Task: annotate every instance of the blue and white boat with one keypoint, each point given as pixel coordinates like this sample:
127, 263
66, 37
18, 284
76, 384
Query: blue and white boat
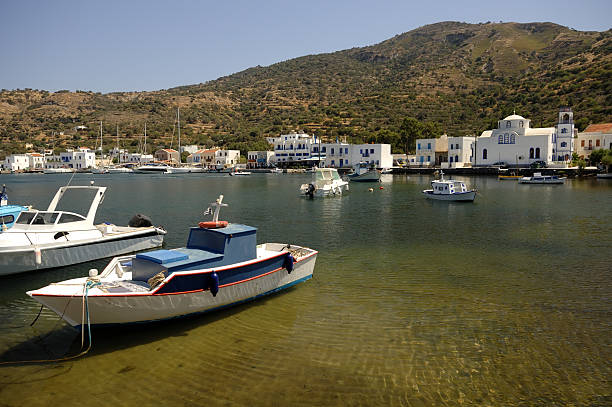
449, 190
8, 213
221, 265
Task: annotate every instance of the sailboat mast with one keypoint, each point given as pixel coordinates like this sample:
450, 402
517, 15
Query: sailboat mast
178, 119
101, 151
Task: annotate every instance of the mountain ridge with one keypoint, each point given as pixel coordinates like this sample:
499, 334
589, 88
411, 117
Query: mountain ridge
460, 77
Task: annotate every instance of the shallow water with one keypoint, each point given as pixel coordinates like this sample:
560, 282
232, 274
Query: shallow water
506, 301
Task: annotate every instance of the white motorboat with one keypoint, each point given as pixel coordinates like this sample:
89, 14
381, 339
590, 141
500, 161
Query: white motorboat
364, 172
240, 172
57, 170
326, 182
604, 175
103, 170
276, 170
538, 178
449, 190
56, 238
221, 265
119, 170
153, 168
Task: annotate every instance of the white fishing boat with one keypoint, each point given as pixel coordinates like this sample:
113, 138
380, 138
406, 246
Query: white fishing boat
221, 265
364, 172
57, 238
449, 190
276, 170
326, 182
239, 172
538, 178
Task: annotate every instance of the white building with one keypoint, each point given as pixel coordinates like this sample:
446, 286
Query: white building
514, 142
36, 161
204, 157
594, 137
78, 159
378, 155
292, 147
259, 159
460, 152
136, 158
16, 162
431, 151
227, 158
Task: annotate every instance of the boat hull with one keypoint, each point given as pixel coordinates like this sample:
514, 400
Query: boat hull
370, 176
457, 196
149, 306
542, 182
20, 259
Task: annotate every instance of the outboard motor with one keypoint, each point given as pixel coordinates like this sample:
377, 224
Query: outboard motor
311, 189
140, 221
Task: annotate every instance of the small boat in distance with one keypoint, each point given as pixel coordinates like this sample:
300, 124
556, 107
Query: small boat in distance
222, 265
60, 170
326, 182
604, 175
153, 168
239, 172
538, 178
364, 172
56, 238
449, 190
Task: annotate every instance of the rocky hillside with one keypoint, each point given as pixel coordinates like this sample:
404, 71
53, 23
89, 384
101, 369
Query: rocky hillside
460, 78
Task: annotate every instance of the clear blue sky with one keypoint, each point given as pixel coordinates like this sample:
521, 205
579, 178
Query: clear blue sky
110, 45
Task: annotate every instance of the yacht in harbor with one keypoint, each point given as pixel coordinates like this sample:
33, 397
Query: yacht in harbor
364, 172
449, 190
538, 178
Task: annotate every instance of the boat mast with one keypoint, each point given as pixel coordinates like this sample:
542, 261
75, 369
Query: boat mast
118, 144
178, 119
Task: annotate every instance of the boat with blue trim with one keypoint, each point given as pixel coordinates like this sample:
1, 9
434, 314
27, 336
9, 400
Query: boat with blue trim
222, 265
8, 213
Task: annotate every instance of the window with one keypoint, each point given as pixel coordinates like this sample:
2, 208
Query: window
563, 130
69, 217
456, 158
372, 150
537, 152
429, 146
531, 152
457, 146
512, 139
500, 139
564, 144
508, 124
597, 143
484, 154
419, 146
6, 219
451, 159
346, 150
428, 158
581, 143
521, 123
25, 218
332, 152
451, 147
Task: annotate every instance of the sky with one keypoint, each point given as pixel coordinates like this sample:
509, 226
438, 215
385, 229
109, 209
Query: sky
137, 45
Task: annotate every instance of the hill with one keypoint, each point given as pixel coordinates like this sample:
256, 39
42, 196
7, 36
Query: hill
455, 77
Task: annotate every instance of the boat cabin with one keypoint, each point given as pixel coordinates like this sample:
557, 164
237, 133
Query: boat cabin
206, 248
448, 187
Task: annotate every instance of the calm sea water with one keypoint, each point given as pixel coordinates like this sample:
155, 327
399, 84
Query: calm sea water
506, 301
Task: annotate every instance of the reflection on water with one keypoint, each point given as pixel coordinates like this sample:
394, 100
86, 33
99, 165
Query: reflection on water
505, 301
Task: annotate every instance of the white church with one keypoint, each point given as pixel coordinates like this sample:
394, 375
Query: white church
515, 143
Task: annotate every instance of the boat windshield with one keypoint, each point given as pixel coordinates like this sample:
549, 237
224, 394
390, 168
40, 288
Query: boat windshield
37, 218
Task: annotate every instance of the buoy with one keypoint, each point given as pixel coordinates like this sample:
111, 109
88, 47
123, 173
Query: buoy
288, 263
213, 225
38, 255
381, 188
93, 272
213, 282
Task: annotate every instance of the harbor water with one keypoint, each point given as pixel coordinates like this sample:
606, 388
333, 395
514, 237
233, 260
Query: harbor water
503, 301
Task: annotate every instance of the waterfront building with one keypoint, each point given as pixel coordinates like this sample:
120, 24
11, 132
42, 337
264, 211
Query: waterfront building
227, 158
378, 155
259, 159
168, 155
460, 152
204, 157
16, 162
336, 155
515, 143
594, 137
80, 158
292, 147
432, 151
36, 161
136, 158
